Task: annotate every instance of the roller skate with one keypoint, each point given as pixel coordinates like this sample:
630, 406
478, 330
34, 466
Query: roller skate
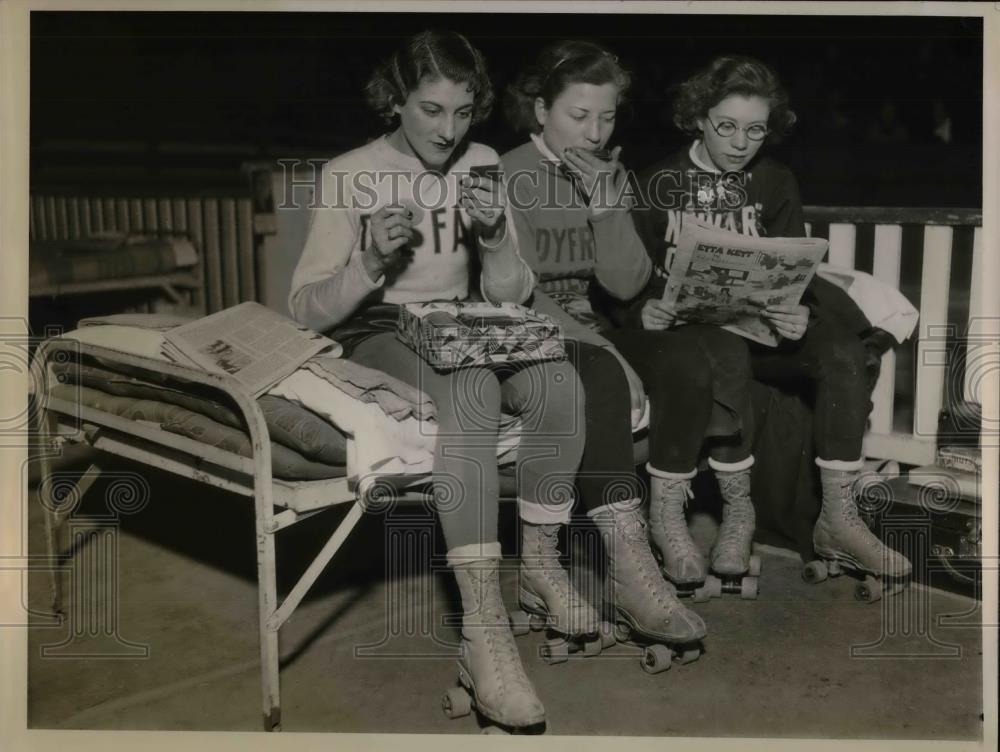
843, 542
549, 600
681, 561
647, 612
733, 569
491, 678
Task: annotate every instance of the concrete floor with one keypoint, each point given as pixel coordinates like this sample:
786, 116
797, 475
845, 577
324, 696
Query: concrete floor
181, 649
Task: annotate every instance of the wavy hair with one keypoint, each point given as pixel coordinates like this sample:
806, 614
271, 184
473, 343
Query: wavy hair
558, 66
723, 77
430, 55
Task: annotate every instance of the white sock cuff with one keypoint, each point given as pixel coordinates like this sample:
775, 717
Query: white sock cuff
670, 476
471, 552
842, 465
629, 505
544, 514
730, 467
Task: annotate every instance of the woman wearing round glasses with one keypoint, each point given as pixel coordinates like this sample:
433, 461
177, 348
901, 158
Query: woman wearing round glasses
731, 108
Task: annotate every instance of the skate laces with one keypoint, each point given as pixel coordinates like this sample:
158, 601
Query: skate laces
496, 630
545, 563
673, 519
738, 516
849, 511
643, 561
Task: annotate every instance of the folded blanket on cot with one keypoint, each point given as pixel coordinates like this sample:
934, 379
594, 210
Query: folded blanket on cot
286, 463
395, 439
288, 423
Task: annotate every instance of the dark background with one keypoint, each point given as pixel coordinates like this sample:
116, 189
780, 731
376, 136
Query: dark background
140, 97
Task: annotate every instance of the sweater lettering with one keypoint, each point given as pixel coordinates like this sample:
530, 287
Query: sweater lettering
564, 245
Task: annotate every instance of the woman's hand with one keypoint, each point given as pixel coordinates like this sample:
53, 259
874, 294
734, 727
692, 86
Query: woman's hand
657, 315
790, 321
596, 176
484, 199
391, 229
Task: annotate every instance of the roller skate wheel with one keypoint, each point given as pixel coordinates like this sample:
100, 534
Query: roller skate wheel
702, 594
748, 589
656, 658
495, 730
868, 591
755, 566
607, 632
714, 585
520, 623
690, 655
622, 632
814, 572
593, 647
834, 569
456, 702
555, 651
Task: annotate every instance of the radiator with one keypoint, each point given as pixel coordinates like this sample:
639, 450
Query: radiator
221, 228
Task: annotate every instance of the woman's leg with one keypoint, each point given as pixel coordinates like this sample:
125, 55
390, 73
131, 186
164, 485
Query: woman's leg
549, 400
730, 456
830, 362
607, 469
466, 486
609, 491
466, 495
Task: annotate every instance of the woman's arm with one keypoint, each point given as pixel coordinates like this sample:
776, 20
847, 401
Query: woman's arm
621, 264
330, 280
505, 276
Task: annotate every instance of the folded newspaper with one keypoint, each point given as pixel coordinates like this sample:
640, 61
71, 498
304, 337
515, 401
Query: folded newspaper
250, 342
725, 278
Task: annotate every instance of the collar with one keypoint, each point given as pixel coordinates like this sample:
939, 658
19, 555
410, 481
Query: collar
540, 144
693, 156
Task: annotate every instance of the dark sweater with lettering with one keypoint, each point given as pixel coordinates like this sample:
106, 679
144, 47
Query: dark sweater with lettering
569, 248
762, 200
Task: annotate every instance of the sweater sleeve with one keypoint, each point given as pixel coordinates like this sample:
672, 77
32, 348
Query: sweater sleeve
649, 227
506, 277
622, 266
330, 282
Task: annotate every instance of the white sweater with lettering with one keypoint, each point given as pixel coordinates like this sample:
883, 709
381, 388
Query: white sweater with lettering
330, 282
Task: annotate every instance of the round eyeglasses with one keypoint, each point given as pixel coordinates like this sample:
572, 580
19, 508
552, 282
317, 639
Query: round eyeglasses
728, 128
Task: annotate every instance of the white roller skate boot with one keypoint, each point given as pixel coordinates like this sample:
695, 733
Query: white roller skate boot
734, 568
682, 562
550, 600
647, 612
491, 677
841, 540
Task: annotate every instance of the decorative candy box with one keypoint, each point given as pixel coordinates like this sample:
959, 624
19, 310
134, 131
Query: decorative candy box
457, 335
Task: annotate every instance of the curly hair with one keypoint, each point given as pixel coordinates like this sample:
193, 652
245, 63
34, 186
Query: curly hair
557, 67
729, 75
430, 55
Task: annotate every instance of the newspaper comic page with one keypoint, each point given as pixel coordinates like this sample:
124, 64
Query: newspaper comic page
725, 278
249, 342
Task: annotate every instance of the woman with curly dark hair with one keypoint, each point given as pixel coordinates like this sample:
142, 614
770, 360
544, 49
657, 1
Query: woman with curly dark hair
731, 108
406, 219
570, 208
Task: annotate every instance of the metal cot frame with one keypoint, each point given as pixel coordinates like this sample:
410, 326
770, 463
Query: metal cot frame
61, 420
